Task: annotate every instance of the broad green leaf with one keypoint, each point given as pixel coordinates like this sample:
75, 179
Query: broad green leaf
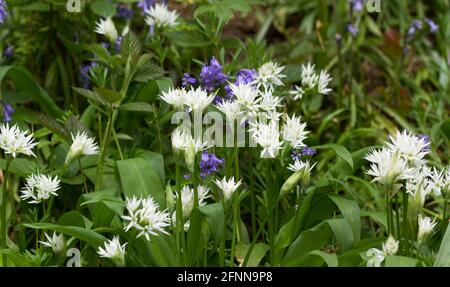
290, 230
103, 8
350, 211
215, 216
343, 233
156, 160
400, 261
341, 151
258, 253
139, 179
311, 239
91, 237
315, 258
23, 81
443, 256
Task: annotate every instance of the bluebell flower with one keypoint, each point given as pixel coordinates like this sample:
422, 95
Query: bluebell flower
84, 74
9, 52
427, 141
297, 154
356, 5
412, 30
145, 5
353, 30
188, 80
433, 26
209, 163
245, 76
124, 12
8, 110
212, 75
118, 44
3, 11
105, 45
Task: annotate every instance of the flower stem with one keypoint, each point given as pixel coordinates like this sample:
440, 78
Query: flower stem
388, 219
405, 222
196, 181
235, 227
109, 125
4, 221
179, 216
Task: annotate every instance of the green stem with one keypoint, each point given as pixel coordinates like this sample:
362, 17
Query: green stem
109, 125
179, 211
222, 239
196, 181
260, 230
271, 217
388, 220
405, 222
444, 212
4, 222
235, 226
116, 140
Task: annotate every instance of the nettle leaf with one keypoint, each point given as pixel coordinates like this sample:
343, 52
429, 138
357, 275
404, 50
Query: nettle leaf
137, 107
108, 95
92, 96
53, 125
146, 70
131, 47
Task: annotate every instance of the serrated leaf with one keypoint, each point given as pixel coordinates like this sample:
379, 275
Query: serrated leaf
91, 96
108, 95
137, 107
131, 47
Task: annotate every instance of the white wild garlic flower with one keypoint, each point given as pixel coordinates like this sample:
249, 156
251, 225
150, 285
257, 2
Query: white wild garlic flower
114, 251
228, 187
13, 141
144, 216
160, 16
39, 188
82, 144
107, 28
56, 243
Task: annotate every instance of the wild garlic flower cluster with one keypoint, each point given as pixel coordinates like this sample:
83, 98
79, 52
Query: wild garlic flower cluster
311, 82
145, 216
228, 187
39, 188
401, 158
187, 198
114, 251
56, 243
13, 141
377, 256
107, 28
82, 145
160, 16
426, 226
